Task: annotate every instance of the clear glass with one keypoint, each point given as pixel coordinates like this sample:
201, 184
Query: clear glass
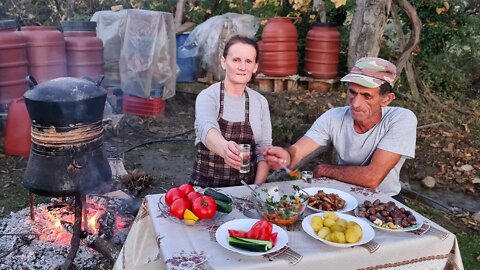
245, 155
307, 176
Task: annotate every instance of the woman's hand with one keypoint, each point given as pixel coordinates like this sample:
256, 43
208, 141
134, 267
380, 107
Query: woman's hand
276, 157
231, 155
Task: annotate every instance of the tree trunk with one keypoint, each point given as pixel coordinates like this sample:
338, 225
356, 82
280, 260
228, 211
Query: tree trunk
408, 65
319, 7
367, 29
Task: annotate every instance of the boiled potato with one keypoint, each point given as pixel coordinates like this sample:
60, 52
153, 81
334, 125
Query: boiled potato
338, 237
353, 235
328, 222
323, 232
337, 228
330, 215
316, 223
341, 222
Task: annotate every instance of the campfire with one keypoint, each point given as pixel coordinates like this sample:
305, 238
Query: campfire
42, 243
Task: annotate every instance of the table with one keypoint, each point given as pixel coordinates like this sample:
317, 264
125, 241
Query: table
159, 241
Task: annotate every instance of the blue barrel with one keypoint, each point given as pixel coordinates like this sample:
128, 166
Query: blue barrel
186, 65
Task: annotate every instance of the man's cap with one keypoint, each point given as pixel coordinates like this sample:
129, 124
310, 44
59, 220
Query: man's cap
372, 72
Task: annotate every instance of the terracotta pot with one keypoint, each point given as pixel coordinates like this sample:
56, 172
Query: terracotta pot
13, 63
279, 55
322, 51
46, 52
84, 49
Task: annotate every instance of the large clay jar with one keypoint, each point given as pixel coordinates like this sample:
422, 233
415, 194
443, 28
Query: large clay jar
84, 49
279, 53
13, 63
46, 52
322, 50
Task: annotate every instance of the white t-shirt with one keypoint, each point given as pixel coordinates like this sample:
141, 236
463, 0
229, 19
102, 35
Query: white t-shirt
396, 133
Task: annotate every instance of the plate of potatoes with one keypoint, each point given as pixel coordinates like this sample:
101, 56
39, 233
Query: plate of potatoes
338, 229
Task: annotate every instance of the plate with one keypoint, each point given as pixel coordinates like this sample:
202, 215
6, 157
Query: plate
350, 201
368, 232
418, 217
221, 235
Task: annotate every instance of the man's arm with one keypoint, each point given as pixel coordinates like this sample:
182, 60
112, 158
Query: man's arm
262, 172
278, 157
369, 176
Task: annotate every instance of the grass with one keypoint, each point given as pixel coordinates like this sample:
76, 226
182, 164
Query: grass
470, 250
469, 243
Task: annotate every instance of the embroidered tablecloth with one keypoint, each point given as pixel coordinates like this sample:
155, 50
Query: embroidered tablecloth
159, 241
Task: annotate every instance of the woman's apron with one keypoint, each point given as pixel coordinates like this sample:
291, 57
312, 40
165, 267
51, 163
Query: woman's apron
210, 169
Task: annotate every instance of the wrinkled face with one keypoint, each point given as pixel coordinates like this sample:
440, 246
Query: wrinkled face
366, 103
240, 63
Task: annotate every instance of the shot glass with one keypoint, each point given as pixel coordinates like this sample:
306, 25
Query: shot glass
307, 176
245, 155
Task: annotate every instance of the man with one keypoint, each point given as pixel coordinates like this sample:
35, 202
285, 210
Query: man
370, 138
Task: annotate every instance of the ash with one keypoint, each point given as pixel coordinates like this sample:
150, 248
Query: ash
27, 244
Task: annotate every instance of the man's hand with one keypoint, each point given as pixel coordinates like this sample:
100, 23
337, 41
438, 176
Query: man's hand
276, 157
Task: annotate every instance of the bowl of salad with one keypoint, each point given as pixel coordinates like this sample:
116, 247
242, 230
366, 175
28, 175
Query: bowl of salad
280, 203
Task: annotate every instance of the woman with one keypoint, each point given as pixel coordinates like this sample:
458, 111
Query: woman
227, 114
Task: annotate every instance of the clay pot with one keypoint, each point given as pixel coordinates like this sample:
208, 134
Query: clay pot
322, 50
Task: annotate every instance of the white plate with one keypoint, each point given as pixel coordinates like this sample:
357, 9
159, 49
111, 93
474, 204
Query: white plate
244, 225
350, 201
407, 229
367, 235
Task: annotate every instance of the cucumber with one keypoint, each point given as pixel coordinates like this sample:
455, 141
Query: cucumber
250, 244
223, 206
217, 195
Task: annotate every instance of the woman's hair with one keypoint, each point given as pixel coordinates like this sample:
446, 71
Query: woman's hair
241, 39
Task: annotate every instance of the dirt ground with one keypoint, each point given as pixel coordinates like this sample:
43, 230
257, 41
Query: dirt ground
163, 148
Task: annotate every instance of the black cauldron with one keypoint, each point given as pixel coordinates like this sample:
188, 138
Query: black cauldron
67, 156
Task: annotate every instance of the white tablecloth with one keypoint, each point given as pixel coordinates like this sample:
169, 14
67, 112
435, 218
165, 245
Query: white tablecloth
159, 241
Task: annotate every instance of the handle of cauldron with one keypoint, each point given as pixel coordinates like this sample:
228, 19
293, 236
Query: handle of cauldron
100, 79
31, 82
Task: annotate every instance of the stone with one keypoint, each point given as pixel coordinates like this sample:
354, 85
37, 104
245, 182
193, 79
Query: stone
466, 167
429, 182
476, 180
476, 217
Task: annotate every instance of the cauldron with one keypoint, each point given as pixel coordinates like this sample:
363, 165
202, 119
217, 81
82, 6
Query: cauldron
67, 156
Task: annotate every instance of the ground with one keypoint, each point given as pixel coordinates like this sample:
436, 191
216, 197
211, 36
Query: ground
162, 147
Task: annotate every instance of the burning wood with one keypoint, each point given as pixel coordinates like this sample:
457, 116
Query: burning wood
96, 242
108, 220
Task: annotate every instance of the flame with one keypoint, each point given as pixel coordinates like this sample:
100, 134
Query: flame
58, 224
92, 222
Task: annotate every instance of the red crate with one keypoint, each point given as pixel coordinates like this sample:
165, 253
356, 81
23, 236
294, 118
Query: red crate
143, 106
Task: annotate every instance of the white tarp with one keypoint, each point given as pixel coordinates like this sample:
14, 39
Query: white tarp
139, 51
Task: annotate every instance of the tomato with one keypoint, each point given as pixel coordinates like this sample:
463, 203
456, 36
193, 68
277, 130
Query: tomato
204, 207
186, 188
173, 194
178, 207
237, 233
193, 195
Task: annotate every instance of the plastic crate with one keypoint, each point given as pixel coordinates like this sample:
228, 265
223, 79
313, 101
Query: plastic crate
143, 106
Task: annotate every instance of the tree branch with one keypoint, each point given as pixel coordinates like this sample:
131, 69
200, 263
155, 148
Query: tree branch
414, 36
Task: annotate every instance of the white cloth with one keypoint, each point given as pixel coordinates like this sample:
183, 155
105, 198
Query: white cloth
159, 241
207, 107
396, 133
